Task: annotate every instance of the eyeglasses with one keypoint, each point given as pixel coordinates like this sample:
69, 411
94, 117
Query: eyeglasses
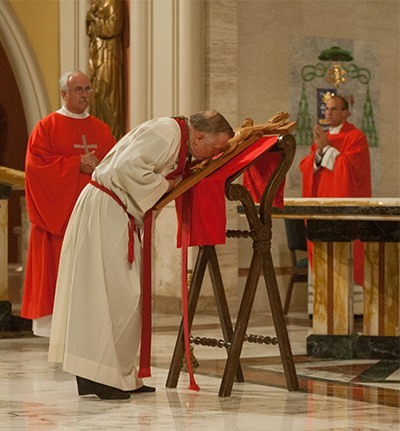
79, 90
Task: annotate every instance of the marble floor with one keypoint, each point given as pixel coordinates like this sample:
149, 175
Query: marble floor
335, 395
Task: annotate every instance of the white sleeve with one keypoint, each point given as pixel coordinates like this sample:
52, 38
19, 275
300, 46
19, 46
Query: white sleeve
327, 160
136, 167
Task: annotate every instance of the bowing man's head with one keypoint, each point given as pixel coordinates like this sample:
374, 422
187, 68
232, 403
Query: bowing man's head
209, 134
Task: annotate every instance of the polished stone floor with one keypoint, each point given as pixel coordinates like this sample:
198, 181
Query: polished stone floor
335, 395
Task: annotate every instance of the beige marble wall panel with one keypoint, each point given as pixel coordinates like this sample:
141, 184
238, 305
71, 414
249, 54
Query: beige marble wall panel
332, 275
381, 289
221, 58
343, 288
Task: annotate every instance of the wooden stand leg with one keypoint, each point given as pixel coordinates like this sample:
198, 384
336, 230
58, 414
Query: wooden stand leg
241, 325
194, 292
280, 324
222, 304
246, 306
207, 256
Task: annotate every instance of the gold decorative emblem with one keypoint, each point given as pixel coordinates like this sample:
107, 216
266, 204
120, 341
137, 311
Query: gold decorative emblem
336, 75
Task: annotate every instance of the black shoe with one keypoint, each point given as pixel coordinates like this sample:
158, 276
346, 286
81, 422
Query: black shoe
104, 392
142, 390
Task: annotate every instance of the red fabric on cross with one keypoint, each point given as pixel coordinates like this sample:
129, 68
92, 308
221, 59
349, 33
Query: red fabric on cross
207, 198
255, 178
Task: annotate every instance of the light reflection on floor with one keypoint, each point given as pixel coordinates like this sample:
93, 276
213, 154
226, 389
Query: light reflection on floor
334, 396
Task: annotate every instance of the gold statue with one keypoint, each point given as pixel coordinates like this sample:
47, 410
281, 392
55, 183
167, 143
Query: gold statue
104, 26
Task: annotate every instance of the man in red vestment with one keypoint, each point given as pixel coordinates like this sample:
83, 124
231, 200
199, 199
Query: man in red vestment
63, 150
339, 165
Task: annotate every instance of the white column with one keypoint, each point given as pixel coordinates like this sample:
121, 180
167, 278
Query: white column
166, 58
74, 43
166, 78
140, 54
191, 57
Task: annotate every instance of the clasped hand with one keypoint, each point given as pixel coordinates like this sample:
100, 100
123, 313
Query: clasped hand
320, 138
88, 163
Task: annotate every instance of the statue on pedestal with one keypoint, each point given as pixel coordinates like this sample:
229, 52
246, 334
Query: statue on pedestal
104, 26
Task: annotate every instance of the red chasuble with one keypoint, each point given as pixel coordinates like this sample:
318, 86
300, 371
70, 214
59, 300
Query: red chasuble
351, 177
53, 184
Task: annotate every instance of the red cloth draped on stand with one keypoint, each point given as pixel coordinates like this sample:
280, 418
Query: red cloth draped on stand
255, 178
208, 207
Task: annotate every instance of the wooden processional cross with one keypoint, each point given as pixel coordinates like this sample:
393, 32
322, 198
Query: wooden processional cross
245, 136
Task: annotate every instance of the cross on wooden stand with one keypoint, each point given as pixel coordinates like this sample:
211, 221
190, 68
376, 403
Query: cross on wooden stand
260, 225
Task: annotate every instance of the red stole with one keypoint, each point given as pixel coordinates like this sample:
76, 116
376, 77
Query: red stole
145, 346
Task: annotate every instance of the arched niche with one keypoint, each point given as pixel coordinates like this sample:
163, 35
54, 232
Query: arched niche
24, 65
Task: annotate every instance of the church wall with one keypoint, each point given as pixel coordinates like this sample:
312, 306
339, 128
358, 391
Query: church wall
40, 20
264, 39
266, 30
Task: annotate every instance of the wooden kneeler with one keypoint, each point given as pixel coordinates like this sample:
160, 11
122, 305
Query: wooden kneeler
260, 224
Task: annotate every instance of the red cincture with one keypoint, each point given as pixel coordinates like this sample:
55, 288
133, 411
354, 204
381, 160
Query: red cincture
131, 222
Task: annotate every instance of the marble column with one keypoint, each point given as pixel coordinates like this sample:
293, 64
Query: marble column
381, 289
333, 288
381, 333
5, 304
3, 250
333, 328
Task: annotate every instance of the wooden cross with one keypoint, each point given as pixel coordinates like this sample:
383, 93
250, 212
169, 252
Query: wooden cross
245, 136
